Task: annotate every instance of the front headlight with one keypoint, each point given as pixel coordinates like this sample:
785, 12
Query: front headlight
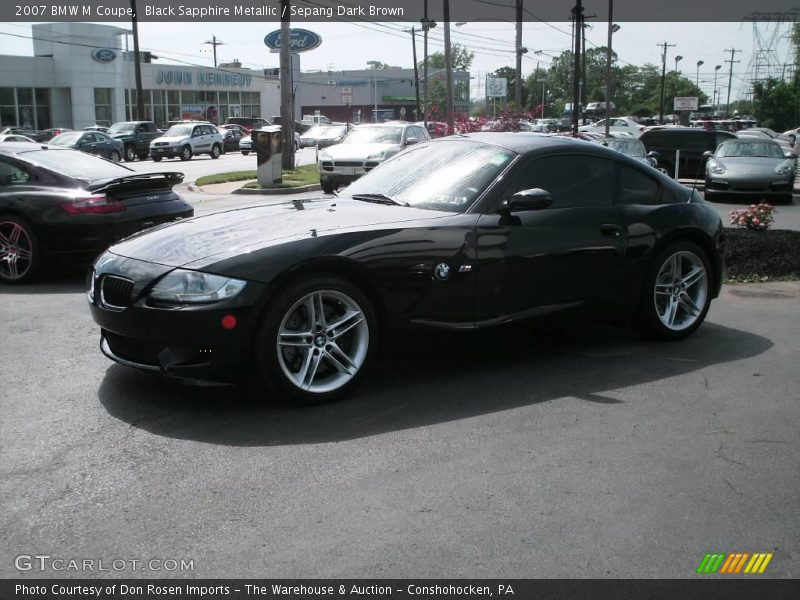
379, 156
717, 168
192, 287
785, 168
324, 156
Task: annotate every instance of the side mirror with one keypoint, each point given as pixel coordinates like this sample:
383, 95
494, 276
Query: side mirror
707, 154
654, 154
533, 199
411, 141
790, 154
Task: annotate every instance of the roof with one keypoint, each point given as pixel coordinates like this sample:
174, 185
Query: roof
13, 148
521, 142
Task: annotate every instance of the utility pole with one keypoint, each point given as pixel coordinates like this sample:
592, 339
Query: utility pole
416, 69
518, 72
287, 125
608, 65
427, 25
663, 78
716, 70
448, 59
577, 15
214, 43
137, 64
730, 78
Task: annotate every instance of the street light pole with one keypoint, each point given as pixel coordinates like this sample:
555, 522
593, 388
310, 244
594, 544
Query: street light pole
577, 15
697, 77
716, 70
518, 71
137, 64
608, 65
416, 69
448, 59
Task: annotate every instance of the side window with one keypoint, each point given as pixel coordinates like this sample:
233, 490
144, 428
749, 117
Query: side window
11, 174
635, 187
572, 180
89, 138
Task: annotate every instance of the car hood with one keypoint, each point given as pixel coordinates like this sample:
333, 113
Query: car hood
170, 140
202, 241
750, 165
361, 151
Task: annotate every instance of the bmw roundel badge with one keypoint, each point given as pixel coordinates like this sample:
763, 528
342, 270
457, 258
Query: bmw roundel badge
442, 271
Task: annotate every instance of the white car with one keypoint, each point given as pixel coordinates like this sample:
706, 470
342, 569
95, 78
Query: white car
620, 124
184, 140
363, 149
246, 144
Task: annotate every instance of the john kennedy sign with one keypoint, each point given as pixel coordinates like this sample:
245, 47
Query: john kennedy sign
301, 40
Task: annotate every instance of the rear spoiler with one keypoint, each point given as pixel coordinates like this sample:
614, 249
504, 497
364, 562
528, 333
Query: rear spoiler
170, 178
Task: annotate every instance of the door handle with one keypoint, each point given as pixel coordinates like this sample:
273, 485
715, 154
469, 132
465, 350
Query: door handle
611, 229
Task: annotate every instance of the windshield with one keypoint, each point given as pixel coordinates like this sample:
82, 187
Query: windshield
757, 149
374, 135
632, 148
446, 176
77, 165
66, 139
122, 128
332, 132
179, 131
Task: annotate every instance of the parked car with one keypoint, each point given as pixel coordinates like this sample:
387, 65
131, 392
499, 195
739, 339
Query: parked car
310, 121
231, 138
247, 123
186, 140
457, 234
599, 108
56, 202
751, 168
363, 149
764, 133
91, 142
692, 143
48, 134
19, 131
436, 129
550, 124
633, 148
10, 137
626, 124
323, 136
136, 137
100, 128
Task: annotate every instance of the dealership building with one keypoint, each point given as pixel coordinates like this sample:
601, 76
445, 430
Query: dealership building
82, 74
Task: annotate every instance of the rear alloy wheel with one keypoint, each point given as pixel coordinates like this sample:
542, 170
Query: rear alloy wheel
677, 292
115, 157
130, 154
19, 250
316, 340
186, 153
215, 151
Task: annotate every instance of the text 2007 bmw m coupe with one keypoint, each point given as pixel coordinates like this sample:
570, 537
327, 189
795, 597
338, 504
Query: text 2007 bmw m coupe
459, 233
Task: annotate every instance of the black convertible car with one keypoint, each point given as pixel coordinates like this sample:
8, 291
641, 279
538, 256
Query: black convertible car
64, 203
460, 233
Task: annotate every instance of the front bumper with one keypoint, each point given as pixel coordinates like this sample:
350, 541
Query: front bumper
777, 186
189, 342
165, 151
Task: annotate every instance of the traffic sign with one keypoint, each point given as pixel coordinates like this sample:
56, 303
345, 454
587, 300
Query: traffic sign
685, 103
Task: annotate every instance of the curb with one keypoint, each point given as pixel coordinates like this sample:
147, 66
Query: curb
277, 191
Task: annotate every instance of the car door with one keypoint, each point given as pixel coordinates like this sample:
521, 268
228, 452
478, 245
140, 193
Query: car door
199, 139
562, 254
88, 143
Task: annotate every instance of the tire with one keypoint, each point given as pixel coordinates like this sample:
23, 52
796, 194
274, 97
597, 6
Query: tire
18, 241
130, 154
674, 304
115, 157
215, 151
338, 355
186, 153
245, 152
157, 158
328, 187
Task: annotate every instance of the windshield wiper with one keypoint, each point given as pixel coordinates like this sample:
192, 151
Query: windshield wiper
379, 199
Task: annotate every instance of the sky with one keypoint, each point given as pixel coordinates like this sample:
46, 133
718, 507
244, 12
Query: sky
351, 45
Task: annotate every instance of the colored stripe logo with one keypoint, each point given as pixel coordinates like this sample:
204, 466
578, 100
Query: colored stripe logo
735, 563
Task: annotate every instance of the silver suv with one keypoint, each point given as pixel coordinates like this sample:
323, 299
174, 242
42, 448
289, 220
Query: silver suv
184, 140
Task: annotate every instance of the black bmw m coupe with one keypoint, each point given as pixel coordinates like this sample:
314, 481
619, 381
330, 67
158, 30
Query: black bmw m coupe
463, 232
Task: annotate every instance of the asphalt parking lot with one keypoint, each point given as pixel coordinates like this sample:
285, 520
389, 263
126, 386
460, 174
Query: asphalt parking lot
557, 450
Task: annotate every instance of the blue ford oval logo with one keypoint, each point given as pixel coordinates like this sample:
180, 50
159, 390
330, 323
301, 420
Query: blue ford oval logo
103, 55
301, 40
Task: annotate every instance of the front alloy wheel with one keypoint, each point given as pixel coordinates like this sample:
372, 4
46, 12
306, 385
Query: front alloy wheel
19, 251
322, 332
679, 295
186, 153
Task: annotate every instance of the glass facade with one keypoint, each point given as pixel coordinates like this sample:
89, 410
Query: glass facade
103, 101
162, 106
28, 108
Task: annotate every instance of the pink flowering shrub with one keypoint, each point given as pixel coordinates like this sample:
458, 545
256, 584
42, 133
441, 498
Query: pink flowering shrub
758, 216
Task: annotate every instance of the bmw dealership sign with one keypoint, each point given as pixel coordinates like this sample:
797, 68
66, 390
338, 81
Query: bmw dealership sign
301, 40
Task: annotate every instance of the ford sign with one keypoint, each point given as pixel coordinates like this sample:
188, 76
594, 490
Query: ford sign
103, 55
302, 40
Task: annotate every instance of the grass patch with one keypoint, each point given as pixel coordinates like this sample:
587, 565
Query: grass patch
305, 175
753, 256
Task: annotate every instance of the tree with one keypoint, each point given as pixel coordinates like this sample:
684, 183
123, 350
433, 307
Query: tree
462, 59
776, 103
375, 65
